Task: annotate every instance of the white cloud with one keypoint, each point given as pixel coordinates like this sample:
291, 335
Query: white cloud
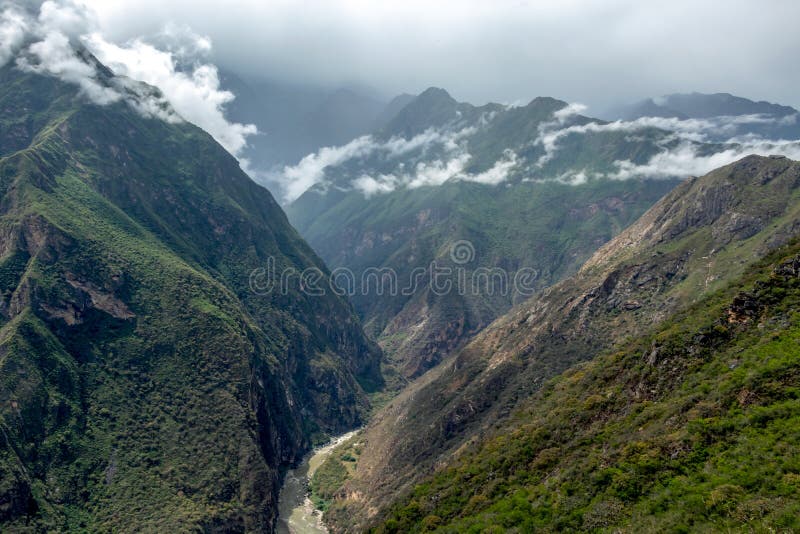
13, 27
54, 56
196, 95
297, 179
570, 110
498, 173
684, 160
438, 172
695, 130
191, 92
68, 17
384, 183
52, 51
311, 169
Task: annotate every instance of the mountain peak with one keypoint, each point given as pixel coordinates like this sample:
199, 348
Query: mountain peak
549, 101
436, 94
434, 107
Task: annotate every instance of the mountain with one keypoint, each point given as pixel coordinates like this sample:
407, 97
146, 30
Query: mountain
685, 429
765, 119
698, 240
514, 184
148, 379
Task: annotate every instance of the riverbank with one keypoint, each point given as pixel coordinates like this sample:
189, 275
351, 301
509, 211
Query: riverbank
296, 512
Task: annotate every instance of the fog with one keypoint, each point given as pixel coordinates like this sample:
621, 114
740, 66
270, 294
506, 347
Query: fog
595, 52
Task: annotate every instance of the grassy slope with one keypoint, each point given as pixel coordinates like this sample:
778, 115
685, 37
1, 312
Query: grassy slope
692, 427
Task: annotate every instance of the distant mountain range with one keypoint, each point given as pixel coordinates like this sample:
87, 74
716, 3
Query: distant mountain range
539, 186
768, 120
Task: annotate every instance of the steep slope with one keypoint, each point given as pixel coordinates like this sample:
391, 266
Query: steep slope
689, 428
442, 173
697, 239
144, 385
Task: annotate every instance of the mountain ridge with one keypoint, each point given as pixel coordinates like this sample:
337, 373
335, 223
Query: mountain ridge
631, 285
144, 384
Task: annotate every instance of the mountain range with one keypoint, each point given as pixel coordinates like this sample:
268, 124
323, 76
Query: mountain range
542, 320
539, 186
664, 311
764, 119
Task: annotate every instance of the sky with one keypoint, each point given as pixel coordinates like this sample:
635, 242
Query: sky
599, 52
593, 54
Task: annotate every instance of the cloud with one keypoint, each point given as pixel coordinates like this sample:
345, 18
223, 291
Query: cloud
188, 88
685, 160
384, 183
195, 95
67, 17
694, 130
568, 111
54, 56
13, 28
52, 51
311, 169
296, 179
617, 50
498, 173
435, 155
437, 172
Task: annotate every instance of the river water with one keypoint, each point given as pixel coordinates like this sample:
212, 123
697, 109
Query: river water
296, 512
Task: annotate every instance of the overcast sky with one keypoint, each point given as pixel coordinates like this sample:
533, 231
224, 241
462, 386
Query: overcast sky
597, 52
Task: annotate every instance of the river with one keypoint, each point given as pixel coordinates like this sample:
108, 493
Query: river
296, 512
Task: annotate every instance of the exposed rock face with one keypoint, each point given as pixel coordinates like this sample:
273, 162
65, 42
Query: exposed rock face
143, 384
681, 249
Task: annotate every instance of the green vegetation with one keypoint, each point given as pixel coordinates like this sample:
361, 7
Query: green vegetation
329, 478
143, 386
532, 220
691, 428
699, 238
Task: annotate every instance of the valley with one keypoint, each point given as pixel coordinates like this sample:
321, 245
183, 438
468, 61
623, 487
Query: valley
296, 512
267, 297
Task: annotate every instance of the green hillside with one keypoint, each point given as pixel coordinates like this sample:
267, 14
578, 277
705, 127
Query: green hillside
143, 385
697, 240
690, 428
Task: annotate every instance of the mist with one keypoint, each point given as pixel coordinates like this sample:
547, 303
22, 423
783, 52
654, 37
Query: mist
598, 53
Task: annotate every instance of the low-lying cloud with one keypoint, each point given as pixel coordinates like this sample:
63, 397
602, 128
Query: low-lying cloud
310, 171
686, 160
712, 129
684, 145
49, 41
436, 173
